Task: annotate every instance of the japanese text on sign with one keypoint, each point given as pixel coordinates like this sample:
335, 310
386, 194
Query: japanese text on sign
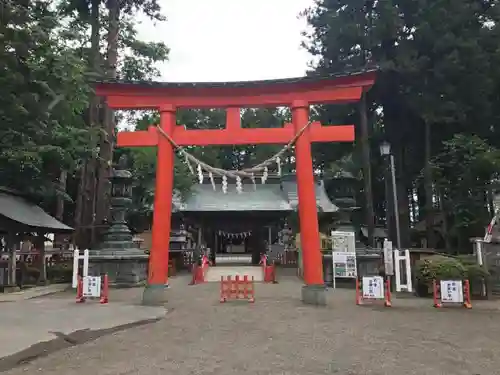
92, 286
344, 264
452, 291
373, 287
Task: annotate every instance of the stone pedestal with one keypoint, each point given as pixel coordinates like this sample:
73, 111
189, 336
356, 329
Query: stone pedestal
314, 295
154, 295
125, 269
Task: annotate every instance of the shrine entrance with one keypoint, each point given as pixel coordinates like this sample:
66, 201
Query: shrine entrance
298, 94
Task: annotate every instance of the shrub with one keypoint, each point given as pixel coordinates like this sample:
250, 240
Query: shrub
439, 267
62, 273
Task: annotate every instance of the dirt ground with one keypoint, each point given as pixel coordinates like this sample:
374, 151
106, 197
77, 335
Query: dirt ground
279, 335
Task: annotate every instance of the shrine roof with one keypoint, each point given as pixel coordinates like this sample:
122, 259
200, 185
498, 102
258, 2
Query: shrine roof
22, 214
313, 78
276, 196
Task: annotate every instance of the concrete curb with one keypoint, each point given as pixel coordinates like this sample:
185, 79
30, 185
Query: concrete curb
35, 292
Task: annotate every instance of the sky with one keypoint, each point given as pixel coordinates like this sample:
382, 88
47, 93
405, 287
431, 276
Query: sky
230, 40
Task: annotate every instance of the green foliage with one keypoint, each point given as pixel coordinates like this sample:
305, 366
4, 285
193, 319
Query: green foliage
438, 267
438, 67
60, 273
462, 171
44, 93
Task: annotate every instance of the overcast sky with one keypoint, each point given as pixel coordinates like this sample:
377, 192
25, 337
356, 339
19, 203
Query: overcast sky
230, 40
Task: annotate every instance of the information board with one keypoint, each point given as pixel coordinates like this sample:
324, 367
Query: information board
344, 264
92, 286
343, 241
452, 291
373, 287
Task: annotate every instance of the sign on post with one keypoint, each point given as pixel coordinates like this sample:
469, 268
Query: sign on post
92, 286
373, 287
343, 241
388, 258
343, 255
455, 292
452, 291
344, 264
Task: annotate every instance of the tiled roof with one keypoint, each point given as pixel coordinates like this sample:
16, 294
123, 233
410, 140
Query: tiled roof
267, 197
272, 196
29, 215
322, 201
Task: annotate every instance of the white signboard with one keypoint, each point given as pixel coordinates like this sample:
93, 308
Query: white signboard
373, 287
343, 241
452, 291
92, 286
388, 258
344, 264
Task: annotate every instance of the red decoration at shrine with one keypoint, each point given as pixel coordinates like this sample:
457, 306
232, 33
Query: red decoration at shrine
298, 94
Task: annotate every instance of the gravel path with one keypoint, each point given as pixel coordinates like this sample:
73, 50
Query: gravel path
279, 335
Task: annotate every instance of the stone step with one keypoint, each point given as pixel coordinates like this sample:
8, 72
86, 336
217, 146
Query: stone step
214, 273
233, 259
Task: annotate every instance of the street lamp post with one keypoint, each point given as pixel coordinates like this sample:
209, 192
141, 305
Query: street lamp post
385, 150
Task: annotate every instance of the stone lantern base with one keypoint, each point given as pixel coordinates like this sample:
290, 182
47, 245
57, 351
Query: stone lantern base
126, 268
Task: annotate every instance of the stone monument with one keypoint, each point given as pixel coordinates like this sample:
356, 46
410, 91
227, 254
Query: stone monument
118, 256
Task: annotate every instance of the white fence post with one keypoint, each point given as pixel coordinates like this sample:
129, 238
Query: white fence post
76, 261
398, 258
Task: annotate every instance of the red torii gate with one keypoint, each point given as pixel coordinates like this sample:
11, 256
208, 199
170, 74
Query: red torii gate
297, 93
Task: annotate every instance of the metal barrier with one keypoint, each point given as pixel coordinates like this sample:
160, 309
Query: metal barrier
92, 287
237, 288
373, 288
456, 292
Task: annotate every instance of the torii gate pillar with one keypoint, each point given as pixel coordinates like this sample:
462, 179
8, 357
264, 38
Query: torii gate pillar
313, 292
296, 93
162, 213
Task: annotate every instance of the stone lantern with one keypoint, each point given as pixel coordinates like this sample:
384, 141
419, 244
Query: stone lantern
118, 255
343, 189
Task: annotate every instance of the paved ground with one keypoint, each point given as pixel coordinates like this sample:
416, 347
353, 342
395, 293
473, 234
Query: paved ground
28, 322
279, 335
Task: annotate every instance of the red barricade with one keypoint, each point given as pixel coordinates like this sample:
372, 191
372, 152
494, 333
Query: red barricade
103, 297
437, 295
387, 298
199, 272
237, 288
268, 270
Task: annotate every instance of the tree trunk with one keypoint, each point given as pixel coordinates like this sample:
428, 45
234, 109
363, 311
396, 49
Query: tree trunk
429, 207
107, 140
85, 207
403, 201
58, 239
367, 174
60, 200
78, 218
